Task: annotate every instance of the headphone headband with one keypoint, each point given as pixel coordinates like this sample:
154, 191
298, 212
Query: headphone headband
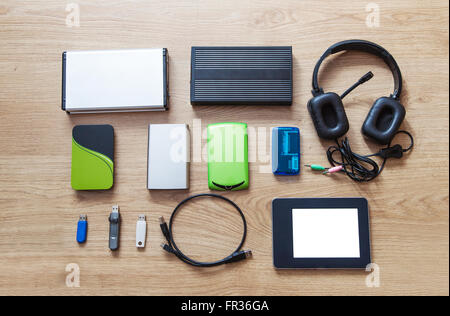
364, 46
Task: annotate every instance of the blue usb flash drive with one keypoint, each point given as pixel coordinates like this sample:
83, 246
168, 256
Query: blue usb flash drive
286, 150
82, 229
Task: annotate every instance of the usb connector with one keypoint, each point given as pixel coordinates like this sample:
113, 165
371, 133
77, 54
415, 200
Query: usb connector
238, 256
115, 209
164, 228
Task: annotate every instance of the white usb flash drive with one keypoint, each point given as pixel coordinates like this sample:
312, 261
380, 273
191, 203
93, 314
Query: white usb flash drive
141, 231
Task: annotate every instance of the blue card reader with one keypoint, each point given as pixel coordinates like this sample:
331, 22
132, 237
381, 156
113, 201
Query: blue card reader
286, 151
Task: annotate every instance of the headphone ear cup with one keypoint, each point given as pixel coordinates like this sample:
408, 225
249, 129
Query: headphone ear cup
383, 120
328, 115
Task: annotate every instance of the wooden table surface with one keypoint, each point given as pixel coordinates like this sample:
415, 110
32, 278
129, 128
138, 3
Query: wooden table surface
409, 202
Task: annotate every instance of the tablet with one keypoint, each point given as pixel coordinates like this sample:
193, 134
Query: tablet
321, 233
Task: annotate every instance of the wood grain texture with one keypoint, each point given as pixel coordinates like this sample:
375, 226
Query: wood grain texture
409, 202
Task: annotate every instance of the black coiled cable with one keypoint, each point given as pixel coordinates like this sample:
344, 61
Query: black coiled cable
172, 247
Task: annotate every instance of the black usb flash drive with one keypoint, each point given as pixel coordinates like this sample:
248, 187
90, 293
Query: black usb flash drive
114, 228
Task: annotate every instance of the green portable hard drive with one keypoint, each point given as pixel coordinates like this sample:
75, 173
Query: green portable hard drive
92, 157
227, 156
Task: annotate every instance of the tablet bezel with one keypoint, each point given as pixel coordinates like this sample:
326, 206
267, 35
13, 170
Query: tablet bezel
283, 250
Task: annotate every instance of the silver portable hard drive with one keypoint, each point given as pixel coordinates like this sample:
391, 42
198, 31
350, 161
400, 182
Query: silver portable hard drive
126, 80
168, 157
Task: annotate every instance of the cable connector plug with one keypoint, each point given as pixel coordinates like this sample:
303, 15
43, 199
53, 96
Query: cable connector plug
238, 256
164, 228
317, 167
167, 248
334, 169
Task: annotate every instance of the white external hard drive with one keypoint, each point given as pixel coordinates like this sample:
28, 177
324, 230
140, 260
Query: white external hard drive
127, 80
168, 156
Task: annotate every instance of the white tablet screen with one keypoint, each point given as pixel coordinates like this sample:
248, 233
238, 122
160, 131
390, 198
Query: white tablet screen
326, 233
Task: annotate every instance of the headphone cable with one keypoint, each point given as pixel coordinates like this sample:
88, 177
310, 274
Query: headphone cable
362, 168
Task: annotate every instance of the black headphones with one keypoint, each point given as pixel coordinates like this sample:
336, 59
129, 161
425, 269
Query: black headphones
381, 124
327, 110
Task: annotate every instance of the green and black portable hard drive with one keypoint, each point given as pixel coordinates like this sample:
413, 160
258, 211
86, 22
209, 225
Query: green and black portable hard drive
228, 156
92, 157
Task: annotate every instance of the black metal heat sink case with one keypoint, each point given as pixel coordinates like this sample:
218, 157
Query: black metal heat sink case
259, 75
